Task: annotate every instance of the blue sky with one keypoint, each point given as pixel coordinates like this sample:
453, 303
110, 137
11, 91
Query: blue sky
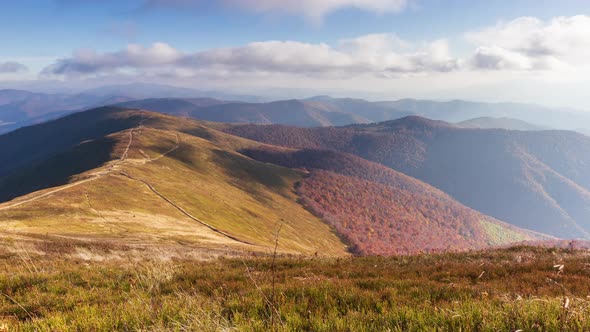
53, 27
455, 45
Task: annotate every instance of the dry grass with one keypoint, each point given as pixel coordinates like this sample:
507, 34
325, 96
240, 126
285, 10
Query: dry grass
503, 290
207, 179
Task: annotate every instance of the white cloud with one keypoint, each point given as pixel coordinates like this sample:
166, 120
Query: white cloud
133, 56
528, 43
556, 49
12, 67
497, 58
373, 54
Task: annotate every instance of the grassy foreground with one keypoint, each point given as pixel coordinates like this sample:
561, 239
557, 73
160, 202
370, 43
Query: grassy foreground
526, 289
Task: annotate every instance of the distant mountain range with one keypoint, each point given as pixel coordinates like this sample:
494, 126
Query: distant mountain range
499, 123
324, 111
304, 113
150, 90
19, 108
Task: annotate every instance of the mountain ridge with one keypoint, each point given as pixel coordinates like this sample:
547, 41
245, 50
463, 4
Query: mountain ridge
499, 123
510, 175
160, 167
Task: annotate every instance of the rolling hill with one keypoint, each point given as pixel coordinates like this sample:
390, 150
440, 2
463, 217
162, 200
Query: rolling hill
143, 180
461, 110
534, 180
38, 142
137, 90
20, 108
499, 123
173, 106
323, 111
304, 113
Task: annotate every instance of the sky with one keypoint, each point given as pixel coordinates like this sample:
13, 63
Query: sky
534, 51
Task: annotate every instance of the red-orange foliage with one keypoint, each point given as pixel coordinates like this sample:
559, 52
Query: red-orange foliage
377, 210
377, 219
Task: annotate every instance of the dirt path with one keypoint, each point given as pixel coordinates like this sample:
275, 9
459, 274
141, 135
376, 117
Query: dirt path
186, 213
112, 169
49, 193
125, 229
95, 176
126, 152
169, 151
98, 175
216, 230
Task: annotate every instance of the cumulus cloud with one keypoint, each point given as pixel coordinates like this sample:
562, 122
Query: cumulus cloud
12, 67
380, 55
528, 43
133, 56
497, 58
524, 44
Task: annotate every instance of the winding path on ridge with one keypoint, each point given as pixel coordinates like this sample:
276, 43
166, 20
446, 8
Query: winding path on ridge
111, 169
214, 229
97, 175
71, 185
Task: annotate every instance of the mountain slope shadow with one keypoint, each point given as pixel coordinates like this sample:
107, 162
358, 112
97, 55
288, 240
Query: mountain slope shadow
39, 142
57, 170
248, 173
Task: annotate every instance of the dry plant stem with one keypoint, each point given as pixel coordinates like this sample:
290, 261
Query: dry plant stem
273, 271
18, 304
260, 291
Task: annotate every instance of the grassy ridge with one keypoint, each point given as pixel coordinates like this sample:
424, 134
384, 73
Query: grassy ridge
235, 193
504, 290
198, 171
